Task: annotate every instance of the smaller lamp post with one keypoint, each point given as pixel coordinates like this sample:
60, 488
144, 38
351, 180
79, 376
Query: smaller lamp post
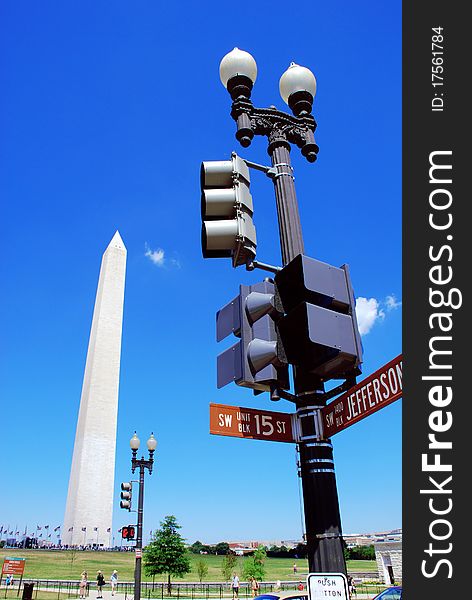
141, 464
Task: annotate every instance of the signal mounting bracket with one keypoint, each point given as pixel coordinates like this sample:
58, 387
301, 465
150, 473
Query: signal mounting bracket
269, 171
255, 264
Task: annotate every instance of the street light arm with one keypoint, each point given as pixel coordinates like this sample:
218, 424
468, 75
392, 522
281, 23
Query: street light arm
278, 126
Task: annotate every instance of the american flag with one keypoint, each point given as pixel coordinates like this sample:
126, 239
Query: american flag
70, 528
46, 527
57, 528
1, 529
84, 528
38, 527
95, 528
108, 530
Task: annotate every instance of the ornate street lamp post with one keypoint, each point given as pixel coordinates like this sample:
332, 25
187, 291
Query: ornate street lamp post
238, 72
142, 464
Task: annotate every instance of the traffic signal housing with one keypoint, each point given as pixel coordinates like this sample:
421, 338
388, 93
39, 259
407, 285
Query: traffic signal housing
256, 360
227, 211
319, 329
126, 495
128, 532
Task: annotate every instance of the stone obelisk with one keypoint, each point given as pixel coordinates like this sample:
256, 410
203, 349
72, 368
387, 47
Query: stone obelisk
89, 508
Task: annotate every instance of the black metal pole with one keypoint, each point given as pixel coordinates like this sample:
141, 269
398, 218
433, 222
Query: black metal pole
139, 536
320, 496
290, 230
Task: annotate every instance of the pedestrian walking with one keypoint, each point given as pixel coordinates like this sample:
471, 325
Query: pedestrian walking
351, 586
235, 586
254, 587
114, 581
83, 584
100, 584
295, 568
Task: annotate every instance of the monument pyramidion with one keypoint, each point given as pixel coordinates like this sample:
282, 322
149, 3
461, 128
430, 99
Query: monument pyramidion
89, 507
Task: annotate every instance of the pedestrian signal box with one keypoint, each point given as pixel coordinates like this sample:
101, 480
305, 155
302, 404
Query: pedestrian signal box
128, 532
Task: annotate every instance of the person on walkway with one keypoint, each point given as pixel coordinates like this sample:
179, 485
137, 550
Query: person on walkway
235, 586
295, 569
100, 583
351, 586
278, 585
254, 587
83, 584
114, 581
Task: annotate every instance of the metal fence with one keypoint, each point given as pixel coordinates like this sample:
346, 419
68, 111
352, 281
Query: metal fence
367, 586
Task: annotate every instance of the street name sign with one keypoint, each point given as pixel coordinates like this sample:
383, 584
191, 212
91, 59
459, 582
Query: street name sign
236, 421
327, 585
370, 395
13, 566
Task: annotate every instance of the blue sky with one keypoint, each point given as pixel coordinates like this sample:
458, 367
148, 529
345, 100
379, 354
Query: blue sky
106, 112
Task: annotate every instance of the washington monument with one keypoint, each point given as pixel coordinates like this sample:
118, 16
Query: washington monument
89, 507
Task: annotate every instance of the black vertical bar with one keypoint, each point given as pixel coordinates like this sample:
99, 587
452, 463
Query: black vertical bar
290, 230
436, 250
320, 496
139, 536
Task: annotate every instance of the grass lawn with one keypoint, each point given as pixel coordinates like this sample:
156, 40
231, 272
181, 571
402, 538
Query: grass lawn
50, 564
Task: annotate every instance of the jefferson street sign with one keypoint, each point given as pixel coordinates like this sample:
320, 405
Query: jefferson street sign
241, 422
376, 391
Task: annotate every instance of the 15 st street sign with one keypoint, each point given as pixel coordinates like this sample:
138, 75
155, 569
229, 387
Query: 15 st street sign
237, 421
370, 395
373, 393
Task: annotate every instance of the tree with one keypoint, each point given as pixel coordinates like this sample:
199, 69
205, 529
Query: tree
196, 547
222, 548
254, 565
362, 553
228, 565
166, 553
202, 569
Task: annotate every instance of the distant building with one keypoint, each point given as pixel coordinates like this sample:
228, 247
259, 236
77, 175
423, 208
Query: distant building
368, 539
241, 548
389, 561
245, 547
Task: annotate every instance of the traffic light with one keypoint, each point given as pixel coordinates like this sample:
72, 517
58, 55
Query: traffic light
256, 360
126, 494
226, 205
319, 330
128, 532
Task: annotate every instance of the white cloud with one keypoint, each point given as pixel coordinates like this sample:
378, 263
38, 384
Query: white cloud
160, 258
155, 256
175, 263
368, 312
391, 303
